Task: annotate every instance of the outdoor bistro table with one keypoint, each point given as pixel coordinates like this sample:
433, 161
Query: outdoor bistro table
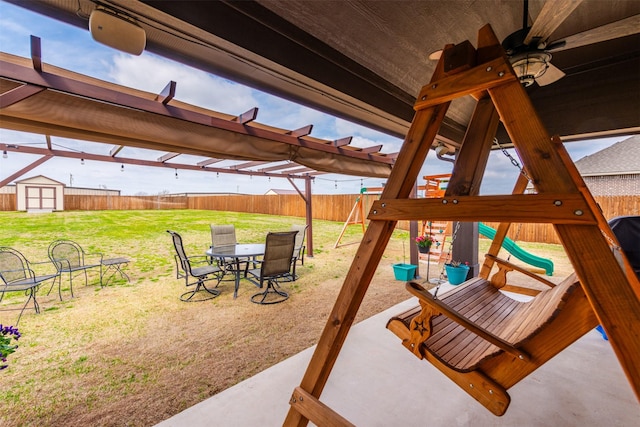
237, 252
116, 264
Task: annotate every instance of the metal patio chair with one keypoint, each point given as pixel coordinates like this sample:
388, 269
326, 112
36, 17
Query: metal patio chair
298, 249
17, 275
196, 267
69, 257
275, 265
225, 235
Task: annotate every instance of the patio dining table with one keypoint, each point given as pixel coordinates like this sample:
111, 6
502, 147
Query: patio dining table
238, 253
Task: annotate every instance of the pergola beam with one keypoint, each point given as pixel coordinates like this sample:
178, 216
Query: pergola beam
139, 162
25, 169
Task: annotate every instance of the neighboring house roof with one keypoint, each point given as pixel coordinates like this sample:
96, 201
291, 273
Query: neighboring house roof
39, 178
622, 158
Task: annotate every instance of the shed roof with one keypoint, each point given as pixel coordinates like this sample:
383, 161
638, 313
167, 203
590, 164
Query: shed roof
622, 158
40, 178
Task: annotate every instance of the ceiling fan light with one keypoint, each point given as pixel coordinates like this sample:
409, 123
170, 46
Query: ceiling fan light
528, 66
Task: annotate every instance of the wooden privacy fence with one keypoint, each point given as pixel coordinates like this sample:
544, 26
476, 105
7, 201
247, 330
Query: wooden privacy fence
325, 207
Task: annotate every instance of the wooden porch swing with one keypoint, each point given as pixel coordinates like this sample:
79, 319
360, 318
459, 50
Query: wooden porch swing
481, 339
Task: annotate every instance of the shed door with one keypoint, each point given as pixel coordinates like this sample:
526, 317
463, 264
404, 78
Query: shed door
41, 198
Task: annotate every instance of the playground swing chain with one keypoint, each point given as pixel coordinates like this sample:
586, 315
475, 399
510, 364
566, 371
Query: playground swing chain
441, 279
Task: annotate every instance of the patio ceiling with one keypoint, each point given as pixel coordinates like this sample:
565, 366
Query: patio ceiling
366, 60
40, 98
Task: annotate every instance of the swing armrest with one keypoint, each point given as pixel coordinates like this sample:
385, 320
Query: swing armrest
520, 270
426, 297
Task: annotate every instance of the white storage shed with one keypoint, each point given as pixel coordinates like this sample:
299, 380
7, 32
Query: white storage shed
39, 194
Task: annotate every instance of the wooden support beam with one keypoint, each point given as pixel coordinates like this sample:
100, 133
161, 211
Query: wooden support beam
475, 150
550, 17
482, 77
167, 156
586, 246
316, 411
403, 177
36, 53
303, 170
48, 139
25, 169
531, 208
18, 94
300, 132
208, 162
139, 162
247, 116
372, 149
248, 164
115, 150
168, 93
279, 167
342, 141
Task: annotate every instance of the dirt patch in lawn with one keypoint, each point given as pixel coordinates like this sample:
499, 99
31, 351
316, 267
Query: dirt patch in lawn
133, 354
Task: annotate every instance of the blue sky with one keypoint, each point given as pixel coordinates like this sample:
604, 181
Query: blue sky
73, 48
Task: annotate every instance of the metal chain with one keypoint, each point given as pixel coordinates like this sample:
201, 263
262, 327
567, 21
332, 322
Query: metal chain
441, 279
514, 162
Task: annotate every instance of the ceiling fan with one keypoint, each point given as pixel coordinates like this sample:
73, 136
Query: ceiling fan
528, 49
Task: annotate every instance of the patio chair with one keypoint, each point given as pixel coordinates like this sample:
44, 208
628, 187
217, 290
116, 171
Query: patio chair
17, 275
275, 264
225, 235
198, 268
298, 249
69, 257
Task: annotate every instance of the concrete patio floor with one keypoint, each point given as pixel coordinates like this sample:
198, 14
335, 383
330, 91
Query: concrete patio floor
377, 382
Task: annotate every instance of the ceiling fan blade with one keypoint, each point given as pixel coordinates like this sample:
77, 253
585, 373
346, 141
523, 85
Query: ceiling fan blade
614, 30
553, 74
553, 13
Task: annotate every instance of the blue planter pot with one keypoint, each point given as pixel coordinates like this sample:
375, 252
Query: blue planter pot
457, 275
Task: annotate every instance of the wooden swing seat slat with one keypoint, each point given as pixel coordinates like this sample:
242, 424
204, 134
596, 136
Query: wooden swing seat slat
489, 309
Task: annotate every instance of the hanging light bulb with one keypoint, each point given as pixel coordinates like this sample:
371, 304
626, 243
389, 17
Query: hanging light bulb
217, 174
335, 184
82, 161
4, 154
176, 173
122, 167
269, 179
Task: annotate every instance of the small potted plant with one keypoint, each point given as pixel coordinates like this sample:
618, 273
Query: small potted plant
424, 243
456, 272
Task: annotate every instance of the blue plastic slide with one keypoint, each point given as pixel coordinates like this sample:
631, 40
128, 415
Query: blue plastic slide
517, 251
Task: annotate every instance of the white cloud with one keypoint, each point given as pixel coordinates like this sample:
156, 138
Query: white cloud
192, 86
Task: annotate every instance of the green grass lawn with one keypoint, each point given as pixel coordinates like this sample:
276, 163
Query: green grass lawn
133, 353
82, 358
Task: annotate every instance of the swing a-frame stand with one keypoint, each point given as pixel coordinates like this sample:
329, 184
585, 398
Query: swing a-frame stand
611, 292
